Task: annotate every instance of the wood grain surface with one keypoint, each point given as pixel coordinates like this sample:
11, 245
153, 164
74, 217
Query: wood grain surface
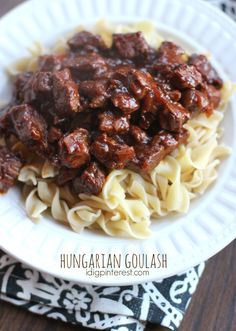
213, 307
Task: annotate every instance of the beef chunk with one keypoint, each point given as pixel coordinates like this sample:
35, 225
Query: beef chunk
124, 101
74, 148
163, 72
42, 82
86, 41
147, 156
186, 76
213, 94
144, 88
95, 92
172, 116
129, 86
32, 87
165, 139
136, 81
170, 141
139, 136
164, 113
20, 82
121, 97
206, 69
140, 83
170, 53
205, 100
86, 67
130, 45
91, 180
10, 166
50, 62
65, 92
178, 76
112, 154
5, 118
181, 137
29, 126
113, 122
149, 102
41, 87
194, 100
120, 75
54, 134
66, 175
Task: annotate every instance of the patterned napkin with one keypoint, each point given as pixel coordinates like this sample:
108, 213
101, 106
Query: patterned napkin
123, 308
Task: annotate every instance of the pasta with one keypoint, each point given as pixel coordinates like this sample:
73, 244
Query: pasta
129, 200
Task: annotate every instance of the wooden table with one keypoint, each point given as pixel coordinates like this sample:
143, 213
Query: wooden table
213, 307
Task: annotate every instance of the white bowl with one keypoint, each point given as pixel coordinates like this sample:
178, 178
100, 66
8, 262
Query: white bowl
188, 239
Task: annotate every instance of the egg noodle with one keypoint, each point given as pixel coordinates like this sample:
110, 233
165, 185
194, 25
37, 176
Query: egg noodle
128, 200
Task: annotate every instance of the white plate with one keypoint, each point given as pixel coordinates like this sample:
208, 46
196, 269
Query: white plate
210, 224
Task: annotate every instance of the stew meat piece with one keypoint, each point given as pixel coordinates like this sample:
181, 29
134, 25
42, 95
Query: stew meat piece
123, 100
214, 95
195, 101
74, 148
91, 180
86, 41
111, 122
39, 87
86, 67
147, 156
206, 69
5, 121
94, 93
130, 45
111, 153
50, 62
185, 77
139, 136
20, 82
172, 116
170, 53
96, 108
30, 126
129, 86
10, 166
65, 93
